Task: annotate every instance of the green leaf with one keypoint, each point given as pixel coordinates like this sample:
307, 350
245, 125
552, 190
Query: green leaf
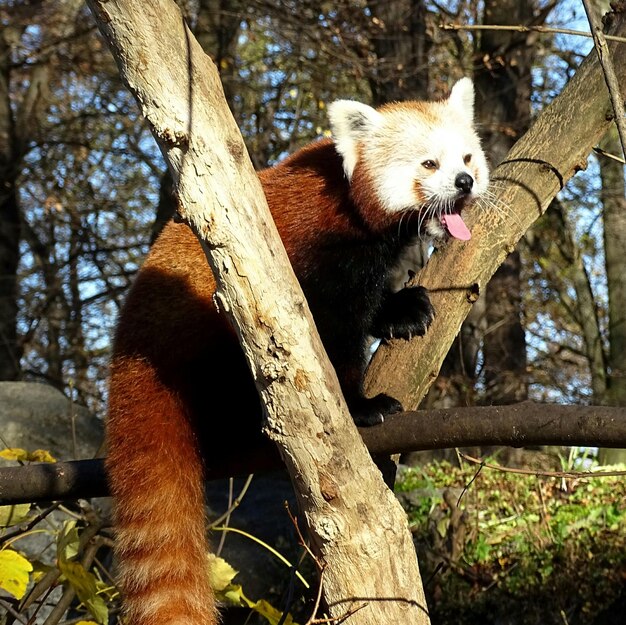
14, 572
13, 515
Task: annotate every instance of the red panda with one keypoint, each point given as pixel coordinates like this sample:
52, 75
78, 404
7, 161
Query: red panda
347, 210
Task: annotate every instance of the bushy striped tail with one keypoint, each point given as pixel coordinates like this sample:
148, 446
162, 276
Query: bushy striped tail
155, 473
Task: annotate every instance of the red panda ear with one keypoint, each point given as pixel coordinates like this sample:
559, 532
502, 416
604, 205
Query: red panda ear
350, 122
462, 97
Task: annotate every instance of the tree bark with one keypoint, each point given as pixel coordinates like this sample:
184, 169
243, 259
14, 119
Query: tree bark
217, 29
614, 210
358, 530
401, 43
553, 150
9, 223
504, 87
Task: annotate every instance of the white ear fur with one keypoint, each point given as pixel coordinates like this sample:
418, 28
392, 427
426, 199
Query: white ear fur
462, 97
350, 122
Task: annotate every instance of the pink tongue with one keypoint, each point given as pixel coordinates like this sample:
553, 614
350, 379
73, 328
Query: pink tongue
456, 226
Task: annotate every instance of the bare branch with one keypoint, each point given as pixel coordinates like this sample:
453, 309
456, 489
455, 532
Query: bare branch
604, 56
574, 475
527, 29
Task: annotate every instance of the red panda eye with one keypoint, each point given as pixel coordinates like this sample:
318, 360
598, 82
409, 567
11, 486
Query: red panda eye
467, 159
429, 164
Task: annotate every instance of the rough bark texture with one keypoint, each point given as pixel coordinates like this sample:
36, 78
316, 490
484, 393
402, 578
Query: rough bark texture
357, 528
555, 147
217, 29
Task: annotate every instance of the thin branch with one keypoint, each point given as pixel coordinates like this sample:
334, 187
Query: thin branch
606, 154
526, 29
604, 56
560, 474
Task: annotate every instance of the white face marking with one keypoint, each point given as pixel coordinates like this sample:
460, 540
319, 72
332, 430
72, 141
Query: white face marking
406, 143
396, 142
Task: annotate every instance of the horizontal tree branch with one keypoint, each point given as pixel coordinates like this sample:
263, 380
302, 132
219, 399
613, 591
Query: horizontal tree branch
517, 425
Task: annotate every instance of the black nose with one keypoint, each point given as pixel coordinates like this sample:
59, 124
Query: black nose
464, 182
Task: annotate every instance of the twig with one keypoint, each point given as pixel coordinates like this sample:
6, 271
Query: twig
341, 619
12, 611
320, 565
466, 487
273, 551
235, 504
294, 521
318, 598
606, 154
91, 549
526, 29
559, 474
604, 56
26, 527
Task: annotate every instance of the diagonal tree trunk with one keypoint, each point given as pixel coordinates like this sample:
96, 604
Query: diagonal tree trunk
217, 28
554, 149
358, 530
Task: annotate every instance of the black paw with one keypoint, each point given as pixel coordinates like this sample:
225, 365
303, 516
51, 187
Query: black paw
405, 314
368, 411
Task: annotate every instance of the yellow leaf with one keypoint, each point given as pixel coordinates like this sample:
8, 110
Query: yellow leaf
14, 453
67, 544
271, 614
86, 587
13, 515
86, 623
220, 573
233, 595
41, 455
14, 570
442, 526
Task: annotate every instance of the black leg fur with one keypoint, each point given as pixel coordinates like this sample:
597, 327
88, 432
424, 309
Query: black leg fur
404, 314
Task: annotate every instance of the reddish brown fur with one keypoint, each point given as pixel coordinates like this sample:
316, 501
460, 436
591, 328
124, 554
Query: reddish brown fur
169, 405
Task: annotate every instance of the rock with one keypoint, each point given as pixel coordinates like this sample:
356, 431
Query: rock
38, 416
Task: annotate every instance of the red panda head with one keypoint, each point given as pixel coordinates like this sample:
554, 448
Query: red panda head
408, 156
